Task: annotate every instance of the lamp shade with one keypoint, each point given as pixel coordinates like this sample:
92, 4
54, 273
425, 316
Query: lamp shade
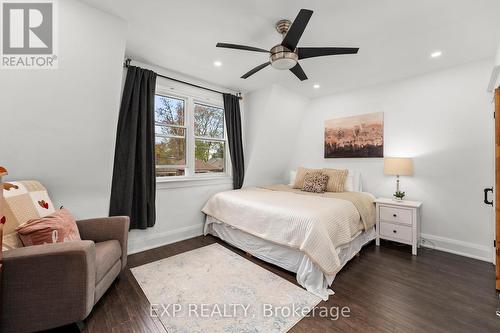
398, 166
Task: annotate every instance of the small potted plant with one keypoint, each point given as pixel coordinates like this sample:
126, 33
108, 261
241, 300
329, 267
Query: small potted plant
399, 195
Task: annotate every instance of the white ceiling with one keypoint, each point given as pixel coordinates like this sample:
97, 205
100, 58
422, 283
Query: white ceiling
395, 38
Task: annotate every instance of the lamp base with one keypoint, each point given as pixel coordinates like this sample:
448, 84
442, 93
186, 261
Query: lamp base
398, 195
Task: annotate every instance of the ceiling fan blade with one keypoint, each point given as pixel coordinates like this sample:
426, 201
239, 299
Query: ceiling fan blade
311, 52
299, 72
255, 70
241, 47
297, 29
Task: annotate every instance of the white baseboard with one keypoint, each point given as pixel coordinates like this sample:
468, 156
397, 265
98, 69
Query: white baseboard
157, 239
454, 246
466, 249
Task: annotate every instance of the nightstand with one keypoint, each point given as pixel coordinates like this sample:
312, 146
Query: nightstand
398, 221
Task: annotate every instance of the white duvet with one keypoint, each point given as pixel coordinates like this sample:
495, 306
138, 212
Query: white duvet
312, 224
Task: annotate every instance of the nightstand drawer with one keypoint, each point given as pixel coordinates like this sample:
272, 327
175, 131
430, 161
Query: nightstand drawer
396, 214
396, 231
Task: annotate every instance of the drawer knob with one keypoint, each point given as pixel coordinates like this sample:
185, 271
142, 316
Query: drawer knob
394, 215
394, 231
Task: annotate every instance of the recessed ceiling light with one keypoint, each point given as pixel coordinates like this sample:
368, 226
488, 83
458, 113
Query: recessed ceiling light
436, 54
316, 86
217, 63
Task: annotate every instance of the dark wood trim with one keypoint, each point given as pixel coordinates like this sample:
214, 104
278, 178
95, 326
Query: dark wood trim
3, 172
497, 185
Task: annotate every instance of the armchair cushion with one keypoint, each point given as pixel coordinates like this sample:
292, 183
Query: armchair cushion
107, 253
107, 228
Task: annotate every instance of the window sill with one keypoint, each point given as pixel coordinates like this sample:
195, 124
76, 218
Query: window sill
165, 183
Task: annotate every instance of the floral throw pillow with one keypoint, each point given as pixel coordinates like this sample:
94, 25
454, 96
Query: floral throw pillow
315, 182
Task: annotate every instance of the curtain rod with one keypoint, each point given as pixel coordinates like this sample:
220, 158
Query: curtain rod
127, 62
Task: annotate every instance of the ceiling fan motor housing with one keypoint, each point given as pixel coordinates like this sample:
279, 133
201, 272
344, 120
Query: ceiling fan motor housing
283, 25
283, 58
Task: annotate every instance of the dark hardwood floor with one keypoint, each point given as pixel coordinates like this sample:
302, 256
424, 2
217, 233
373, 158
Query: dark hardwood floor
386, 288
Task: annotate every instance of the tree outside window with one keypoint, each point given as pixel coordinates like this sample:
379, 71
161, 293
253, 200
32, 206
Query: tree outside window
171, 137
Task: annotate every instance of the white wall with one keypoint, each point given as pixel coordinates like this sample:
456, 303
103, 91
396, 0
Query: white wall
444, 121
178, 213
58, 126
496, 69
272, 119
495, 73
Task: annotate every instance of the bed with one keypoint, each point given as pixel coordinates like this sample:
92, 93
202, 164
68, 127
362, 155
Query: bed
312, 235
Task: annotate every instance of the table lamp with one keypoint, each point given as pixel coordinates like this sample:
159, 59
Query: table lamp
398, 166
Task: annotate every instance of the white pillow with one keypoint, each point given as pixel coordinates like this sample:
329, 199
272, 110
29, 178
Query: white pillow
293, 174
352, 182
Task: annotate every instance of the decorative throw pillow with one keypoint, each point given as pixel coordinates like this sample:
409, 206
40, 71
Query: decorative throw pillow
336, 179
301, 174
58, 227
21, 202
315, 182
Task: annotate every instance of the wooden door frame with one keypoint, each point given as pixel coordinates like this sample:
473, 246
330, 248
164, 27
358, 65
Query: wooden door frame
3, 172
497, 186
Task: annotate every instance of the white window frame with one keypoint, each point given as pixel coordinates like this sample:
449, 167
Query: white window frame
190, 97
185, 126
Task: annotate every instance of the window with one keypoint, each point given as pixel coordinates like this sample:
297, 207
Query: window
190, 139
209, 138
170, 136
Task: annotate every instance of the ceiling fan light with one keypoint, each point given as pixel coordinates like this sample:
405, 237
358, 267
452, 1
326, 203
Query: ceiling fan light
282, 58
284, 63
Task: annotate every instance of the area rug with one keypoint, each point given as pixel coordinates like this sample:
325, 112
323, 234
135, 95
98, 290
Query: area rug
212, 289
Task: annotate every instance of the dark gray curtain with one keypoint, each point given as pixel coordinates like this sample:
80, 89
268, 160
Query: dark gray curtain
233, 124
133, 189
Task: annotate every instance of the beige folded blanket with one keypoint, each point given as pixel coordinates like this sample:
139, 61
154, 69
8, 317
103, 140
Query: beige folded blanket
363, 201
313, 224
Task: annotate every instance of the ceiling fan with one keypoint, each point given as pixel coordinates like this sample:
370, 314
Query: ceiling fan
287, 55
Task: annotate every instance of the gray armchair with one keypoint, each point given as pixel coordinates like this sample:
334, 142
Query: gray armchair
51, 285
